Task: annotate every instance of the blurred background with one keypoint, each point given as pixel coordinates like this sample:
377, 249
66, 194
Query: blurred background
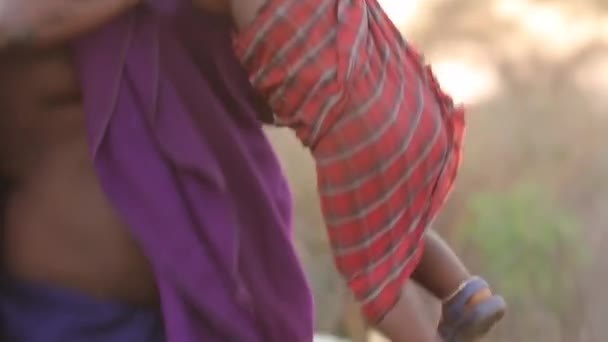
530, 208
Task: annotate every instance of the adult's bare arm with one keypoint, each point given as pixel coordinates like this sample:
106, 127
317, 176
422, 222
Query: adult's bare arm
39, 23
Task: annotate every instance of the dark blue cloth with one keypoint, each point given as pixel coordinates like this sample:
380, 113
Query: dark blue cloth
39, 313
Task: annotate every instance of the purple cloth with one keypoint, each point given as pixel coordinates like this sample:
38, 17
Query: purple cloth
181, 155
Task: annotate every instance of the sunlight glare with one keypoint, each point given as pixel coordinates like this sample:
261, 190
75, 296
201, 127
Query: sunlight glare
466, 81
401, 12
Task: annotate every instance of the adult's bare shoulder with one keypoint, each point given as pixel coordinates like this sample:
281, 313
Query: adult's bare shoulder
41, 23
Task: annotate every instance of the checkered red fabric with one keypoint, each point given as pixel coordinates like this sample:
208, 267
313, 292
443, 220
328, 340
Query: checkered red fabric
386, 140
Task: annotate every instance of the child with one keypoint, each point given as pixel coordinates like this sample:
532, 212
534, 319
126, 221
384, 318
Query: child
469, 308
387, 144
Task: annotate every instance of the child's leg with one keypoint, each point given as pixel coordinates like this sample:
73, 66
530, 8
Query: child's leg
469, 307
440, 271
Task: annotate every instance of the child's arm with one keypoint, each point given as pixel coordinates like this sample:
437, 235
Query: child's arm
339, 74
39, 23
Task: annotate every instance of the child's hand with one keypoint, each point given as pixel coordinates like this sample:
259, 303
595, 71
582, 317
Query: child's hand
36, 23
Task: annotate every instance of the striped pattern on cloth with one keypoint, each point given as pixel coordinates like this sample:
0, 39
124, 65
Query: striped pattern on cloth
385, 138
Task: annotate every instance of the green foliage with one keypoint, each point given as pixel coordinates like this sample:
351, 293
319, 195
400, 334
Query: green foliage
528, 245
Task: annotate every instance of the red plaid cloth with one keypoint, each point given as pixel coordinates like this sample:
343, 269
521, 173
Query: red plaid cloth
386, 140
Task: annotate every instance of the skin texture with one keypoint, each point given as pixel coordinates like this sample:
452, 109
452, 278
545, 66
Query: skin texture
59, 228
407, 321
244, 11
440, 271
42, 23
221, 7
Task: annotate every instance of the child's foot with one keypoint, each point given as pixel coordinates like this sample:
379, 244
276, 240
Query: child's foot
471, 313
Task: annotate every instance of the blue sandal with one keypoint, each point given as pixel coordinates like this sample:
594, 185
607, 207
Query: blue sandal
462, 324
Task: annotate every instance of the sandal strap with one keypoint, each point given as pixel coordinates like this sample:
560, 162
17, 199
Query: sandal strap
457, 305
